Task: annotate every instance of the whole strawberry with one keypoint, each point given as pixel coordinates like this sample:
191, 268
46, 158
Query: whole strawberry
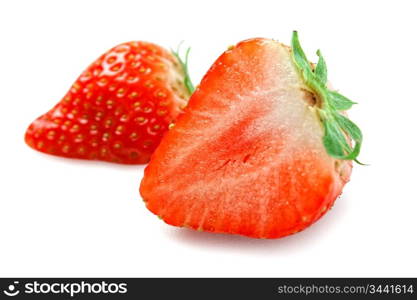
262, 150
118, 109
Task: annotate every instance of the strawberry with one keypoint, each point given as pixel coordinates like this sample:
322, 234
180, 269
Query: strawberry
118, 109
262, 150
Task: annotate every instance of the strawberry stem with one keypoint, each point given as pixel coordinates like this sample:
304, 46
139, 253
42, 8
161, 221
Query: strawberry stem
338, 129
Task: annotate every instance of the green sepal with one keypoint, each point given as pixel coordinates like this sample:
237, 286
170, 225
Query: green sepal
335, 133
339, 101
334, 140
321, 69
338, 129
299, 56
184, 65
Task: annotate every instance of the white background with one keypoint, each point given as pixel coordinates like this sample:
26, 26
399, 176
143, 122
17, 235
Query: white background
61, 217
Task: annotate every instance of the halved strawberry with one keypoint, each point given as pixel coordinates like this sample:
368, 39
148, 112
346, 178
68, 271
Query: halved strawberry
118, 109
261, 150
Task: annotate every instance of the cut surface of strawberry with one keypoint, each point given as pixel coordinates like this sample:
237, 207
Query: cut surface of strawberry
118, 109
249, 155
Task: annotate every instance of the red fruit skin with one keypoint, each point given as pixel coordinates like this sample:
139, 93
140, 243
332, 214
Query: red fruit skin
117, 110
210, 173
